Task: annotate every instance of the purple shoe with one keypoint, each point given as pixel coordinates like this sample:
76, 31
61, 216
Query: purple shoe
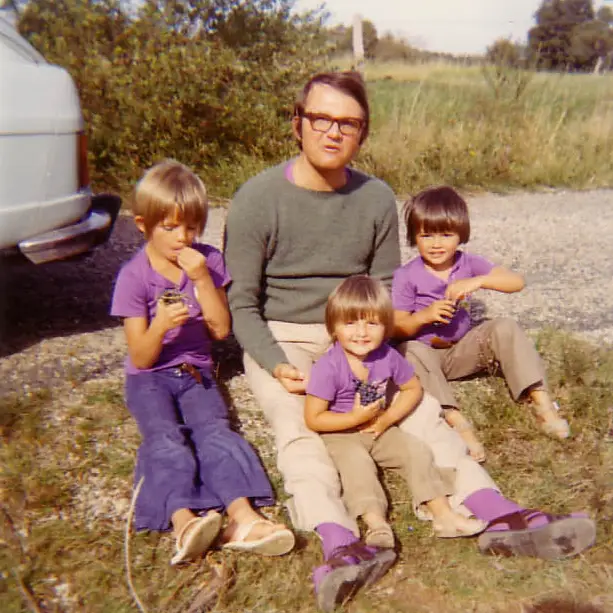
559, 536
349, 568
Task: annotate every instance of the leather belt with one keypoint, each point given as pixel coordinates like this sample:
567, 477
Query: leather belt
192, 371
440, 343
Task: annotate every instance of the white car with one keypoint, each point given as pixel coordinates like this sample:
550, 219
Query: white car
47, 211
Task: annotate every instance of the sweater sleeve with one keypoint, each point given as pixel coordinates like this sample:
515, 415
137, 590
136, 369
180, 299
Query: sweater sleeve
386, 246
247, 235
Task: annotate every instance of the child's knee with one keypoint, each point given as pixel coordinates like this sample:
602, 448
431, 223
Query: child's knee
505, 329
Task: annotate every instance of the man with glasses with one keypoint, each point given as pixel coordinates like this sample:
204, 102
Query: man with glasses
294, 233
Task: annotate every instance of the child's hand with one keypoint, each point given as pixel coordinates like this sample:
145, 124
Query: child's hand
365, 413
169, 316
462, 288
378, 427
193, 263
290, 378
440, 311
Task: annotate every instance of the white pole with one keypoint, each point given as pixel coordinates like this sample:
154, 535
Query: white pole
358, 43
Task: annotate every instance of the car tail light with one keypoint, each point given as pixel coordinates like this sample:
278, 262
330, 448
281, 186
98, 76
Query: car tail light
82, 160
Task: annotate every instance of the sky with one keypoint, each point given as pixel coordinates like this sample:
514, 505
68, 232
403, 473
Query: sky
453, 26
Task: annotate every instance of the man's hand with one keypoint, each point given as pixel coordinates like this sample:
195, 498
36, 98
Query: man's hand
365, 413
462, 288
290, 378
169, 316
193, 263
440, 311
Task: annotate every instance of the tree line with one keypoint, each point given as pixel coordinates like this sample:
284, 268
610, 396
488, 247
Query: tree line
569, 35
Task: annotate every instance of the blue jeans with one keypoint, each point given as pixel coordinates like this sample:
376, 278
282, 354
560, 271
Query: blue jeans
189, 457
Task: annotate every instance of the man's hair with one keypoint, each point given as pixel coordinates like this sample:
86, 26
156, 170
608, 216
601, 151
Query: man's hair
348, 82
437, 209
170, 188
360, 297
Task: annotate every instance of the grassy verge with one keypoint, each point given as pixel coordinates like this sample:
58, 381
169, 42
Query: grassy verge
473, 127
481, 128
66, 483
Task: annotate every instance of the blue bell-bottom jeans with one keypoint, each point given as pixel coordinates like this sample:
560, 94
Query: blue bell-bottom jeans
189, 457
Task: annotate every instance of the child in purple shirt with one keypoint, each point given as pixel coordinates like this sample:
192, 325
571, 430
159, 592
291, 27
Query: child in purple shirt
347, 404
429, 295
190, 464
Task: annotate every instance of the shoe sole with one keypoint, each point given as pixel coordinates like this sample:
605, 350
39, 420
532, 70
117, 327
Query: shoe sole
380, 538
198, 542
452, 533
562, 538
379, 565
342, 583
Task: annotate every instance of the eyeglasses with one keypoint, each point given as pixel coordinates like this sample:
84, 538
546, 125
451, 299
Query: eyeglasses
347, 126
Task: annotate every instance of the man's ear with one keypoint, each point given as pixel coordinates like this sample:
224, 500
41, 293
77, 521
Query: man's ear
139, 220
297, 127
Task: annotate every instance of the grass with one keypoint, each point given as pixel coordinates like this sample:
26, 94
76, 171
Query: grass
483, 128
67, 460
474, 127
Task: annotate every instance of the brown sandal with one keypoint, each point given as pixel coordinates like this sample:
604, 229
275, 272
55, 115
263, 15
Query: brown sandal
346, 577
562, 536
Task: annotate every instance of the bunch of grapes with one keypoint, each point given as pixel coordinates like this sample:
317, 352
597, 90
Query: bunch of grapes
368, 393
172, 296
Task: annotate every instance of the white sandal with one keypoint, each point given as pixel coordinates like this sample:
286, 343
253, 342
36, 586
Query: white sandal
557, 428
450, 530
191, 544
276, 543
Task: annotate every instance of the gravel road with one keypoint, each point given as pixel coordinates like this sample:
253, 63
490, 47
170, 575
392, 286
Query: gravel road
55, 328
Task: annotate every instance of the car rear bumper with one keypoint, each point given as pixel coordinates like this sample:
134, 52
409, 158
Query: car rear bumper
91, 230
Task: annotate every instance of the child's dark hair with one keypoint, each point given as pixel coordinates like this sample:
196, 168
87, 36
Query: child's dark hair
360, 297
437, 209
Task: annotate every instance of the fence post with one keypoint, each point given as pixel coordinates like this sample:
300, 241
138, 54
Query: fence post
358, 44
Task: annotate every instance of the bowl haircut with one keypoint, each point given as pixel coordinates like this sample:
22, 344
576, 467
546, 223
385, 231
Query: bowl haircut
170, 189
360, 297
437, 209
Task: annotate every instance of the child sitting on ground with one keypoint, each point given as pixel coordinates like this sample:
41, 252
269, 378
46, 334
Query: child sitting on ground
172, 300
428, 294
346, 404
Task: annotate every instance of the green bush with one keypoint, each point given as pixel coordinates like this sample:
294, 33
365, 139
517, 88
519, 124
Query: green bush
207, 83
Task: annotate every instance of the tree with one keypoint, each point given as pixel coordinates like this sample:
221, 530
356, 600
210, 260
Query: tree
390, 47
344, 38
206, 82
504, 52
569, 35
605, 14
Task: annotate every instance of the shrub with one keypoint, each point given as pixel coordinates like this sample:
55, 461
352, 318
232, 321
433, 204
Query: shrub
207, 83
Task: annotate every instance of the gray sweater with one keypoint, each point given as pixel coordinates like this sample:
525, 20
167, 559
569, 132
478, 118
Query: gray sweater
288, 247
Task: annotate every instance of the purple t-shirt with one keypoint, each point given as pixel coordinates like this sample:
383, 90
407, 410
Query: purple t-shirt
332, 379
137, 290
414, 288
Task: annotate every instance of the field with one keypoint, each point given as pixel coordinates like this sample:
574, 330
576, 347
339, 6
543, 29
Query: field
65, 503
67, 450
485, 128
472, 127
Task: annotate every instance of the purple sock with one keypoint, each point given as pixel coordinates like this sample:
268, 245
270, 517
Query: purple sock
488, 504
334, 536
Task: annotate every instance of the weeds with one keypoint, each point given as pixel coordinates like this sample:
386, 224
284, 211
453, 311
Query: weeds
66, 487
489, 128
